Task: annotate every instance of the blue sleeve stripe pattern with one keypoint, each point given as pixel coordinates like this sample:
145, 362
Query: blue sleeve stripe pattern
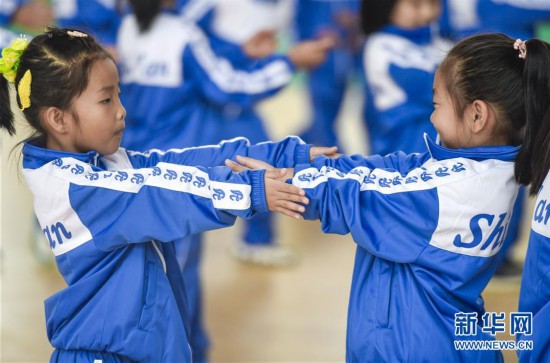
174, 177
391, 181
272, 76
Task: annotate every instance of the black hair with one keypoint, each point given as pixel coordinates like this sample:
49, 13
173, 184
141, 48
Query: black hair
375, 14
59, 64
533, 162
487, 67
146, 11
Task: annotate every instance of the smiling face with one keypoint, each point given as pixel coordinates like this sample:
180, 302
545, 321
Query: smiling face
412, 14
100, 115
452, 131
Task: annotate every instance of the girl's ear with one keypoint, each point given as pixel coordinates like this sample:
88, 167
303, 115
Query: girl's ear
55, 120
482, 117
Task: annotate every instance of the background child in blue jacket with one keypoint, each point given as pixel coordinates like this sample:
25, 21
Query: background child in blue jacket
401, 55
244, 33
110, 215
428, 226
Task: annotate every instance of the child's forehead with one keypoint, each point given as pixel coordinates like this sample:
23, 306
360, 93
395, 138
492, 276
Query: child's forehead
103, 74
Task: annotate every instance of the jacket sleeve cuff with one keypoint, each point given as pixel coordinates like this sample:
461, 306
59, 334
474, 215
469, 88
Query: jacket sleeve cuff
301, 154
257, 195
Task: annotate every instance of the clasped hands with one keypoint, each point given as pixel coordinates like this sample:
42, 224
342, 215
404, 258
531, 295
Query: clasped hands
281, 197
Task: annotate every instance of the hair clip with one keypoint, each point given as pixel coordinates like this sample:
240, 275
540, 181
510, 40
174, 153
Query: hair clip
76, 34
24, 90
522, 47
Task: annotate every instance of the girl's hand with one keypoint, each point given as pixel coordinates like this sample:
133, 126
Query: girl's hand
330, 152
310, 53
281, 197
255, 164
261, 45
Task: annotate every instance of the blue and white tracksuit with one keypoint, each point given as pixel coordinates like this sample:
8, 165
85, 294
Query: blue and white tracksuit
535, 285
326, 84
228, 26
110, 221
176, 88
427, 227
515, 18
98, 17
399, 66
236, 21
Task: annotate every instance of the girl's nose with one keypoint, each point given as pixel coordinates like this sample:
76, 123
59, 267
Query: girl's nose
122, 112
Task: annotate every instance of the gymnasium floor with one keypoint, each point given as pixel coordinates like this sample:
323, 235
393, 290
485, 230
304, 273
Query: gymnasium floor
253, 314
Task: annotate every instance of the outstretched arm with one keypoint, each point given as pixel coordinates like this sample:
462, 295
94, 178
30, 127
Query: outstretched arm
283, 154
221, 83
389, 214
165, 202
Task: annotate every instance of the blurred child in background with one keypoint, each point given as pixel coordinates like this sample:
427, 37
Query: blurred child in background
401, 55
327, 84
245, 33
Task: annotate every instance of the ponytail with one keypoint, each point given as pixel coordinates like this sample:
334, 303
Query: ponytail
533, 160
146, 11
6, 115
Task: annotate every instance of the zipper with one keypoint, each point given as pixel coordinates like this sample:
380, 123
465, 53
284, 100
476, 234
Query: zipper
160, 255
96, 156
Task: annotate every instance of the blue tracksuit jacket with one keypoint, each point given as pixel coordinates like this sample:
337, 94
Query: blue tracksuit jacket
535, 285
427, 227
227, 30
110, 221
399, 69
179, 80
